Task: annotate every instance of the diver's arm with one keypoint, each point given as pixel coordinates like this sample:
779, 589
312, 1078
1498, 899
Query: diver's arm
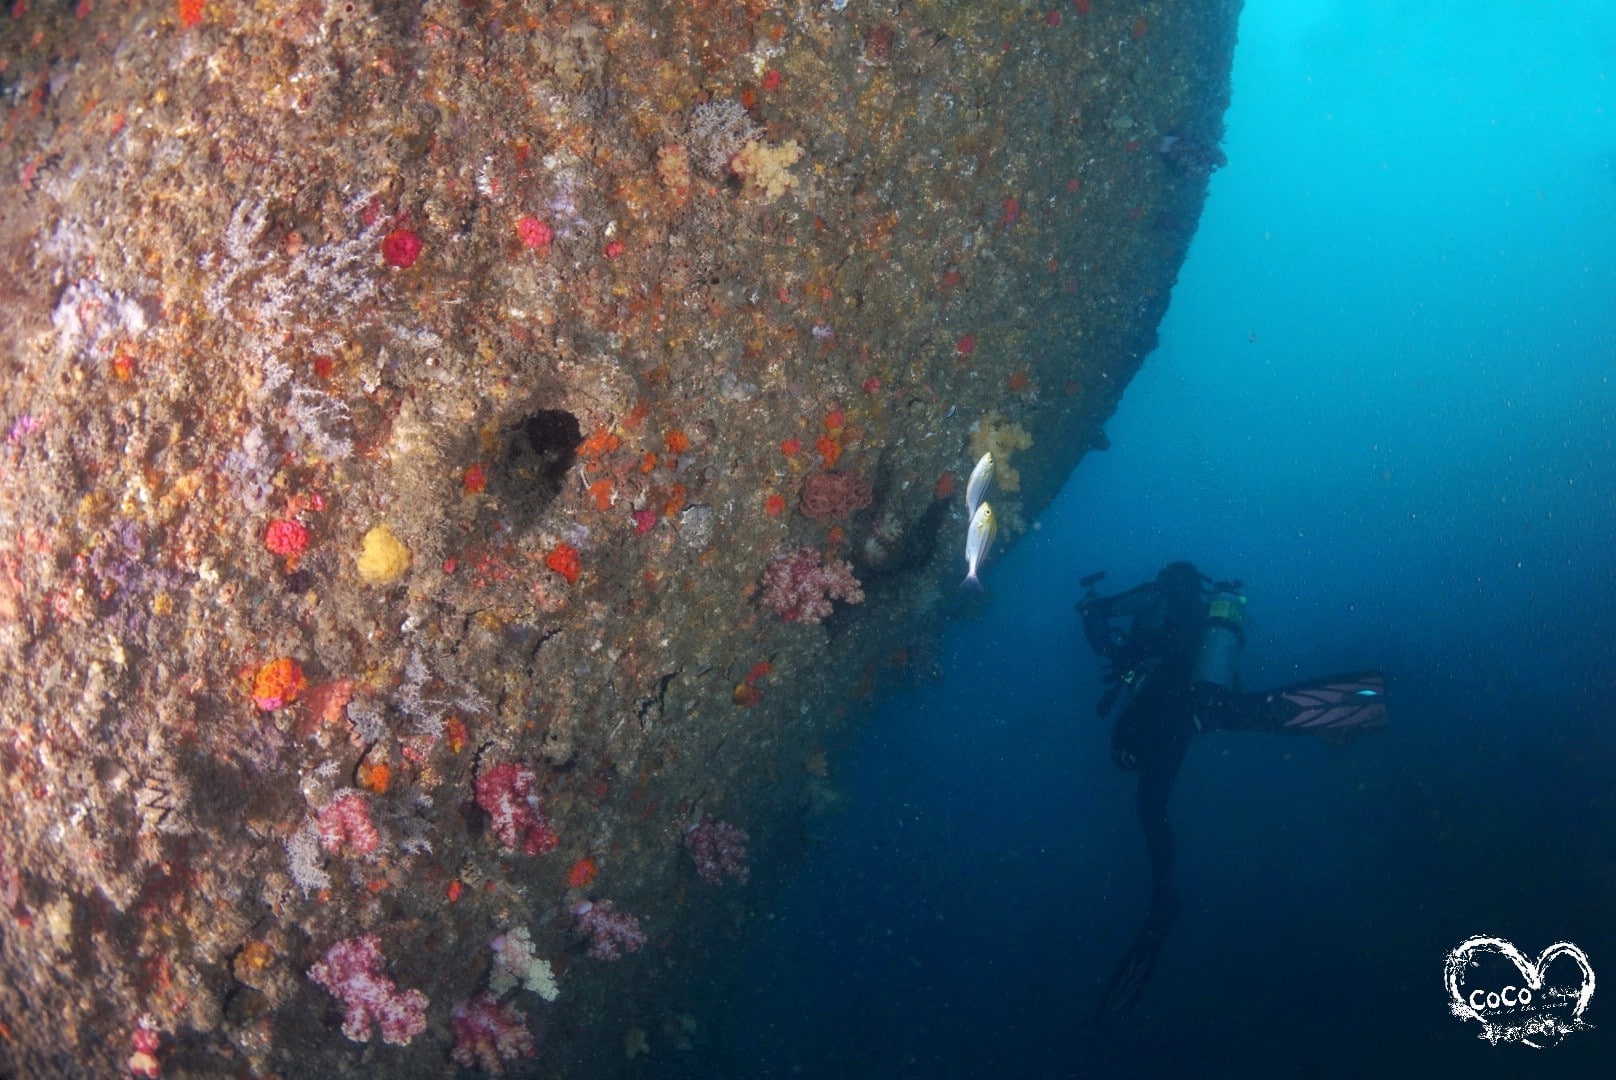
1106, 639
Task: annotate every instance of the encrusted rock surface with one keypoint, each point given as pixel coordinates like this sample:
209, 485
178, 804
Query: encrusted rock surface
391, 393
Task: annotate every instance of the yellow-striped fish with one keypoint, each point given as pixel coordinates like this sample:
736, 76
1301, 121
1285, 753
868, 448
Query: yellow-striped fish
978, 538
981, 477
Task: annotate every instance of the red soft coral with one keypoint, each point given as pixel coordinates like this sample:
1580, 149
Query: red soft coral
831, 496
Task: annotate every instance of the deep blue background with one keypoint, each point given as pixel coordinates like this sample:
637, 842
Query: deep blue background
1383, 398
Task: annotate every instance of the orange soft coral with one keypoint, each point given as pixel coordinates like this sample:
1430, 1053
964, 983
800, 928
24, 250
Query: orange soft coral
278, 683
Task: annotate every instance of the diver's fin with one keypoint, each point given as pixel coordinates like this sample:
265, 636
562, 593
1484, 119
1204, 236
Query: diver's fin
1335, 705
1128, 982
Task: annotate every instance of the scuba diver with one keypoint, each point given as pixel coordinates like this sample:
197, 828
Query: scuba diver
1172, 673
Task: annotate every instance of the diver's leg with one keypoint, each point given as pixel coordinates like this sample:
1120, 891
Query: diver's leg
1155, 786
1217, 709
1133, 973
1336, 705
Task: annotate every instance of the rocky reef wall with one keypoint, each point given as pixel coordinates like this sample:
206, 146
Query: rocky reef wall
405, 408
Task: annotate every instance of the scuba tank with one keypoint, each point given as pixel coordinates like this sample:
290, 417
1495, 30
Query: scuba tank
1218, 658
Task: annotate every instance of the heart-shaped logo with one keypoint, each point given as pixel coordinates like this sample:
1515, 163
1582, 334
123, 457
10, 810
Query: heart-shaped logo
1523, 1010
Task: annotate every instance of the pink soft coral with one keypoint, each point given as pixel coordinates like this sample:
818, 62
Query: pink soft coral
719, 850
611, 933
488, 1034
506, 792
798, 588
352, 972
346, 820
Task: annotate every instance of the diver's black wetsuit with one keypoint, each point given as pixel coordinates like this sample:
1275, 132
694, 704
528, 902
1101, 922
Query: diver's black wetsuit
1153, 666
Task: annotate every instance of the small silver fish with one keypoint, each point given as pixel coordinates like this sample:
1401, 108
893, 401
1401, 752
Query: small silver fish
978, 538
977, 486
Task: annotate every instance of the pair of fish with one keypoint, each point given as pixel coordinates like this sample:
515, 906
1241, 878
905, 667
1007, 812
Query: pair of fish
979, 534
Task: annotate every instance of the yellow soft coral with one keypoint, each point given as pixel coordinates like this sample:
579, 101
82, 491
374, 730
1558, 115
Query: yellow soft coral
993, 434
385, 557
767, 169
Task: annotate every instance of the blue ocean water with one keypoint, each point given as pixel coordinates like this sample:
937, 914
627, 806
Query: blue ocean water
1383, 399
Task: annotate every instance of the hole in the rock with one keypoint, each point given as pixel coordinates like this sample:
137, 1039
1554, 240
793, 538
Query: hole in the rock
538, 453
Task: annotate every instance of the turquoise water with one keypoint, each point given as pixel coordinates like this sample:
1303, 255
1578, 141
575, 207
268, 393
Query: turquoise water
1383, 399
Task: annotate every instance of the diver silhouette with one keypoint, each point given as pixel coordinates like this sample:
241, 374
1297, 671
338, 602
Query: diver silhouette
1172, 673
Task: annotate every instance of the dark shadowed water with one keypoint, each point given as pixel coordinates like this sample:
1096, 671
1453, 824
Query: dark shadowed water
1383, 399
